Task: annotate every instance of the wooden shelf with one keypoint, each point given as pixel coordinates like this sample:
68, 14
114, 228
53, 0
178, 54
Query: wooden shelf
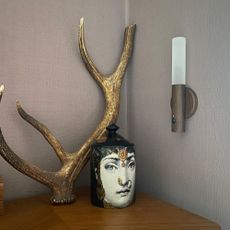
147, 213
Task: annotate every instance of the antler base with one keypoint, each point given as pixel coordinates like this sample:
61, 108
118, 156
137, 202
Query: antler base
63, 195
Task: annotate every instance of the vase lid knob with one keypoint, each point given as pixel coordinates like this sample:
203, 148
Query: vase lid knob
112, 130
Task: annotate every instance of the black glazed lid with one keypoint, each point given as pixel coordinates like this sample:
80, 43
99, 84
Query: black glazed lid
113, 139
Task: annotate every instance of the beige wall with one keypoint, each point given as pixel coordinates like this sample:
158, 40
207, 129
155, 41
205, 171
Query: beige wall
40, 65
191, 169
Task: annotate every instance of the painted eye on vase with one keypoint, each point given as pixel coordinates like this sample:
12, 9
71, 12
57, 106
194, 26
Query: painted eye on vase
110, 167
131, 165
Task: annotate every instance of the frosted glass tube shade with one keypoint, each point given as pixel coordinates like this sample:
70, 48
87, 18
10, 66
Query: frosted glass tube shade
179, 61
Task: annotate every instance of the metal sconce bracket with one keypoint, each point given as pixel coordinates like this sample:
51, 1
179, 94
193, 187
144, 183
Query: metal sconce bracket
184, 104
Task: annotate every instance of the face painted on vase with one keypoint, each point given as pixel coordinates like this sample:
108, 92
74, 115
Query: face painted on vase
117, 172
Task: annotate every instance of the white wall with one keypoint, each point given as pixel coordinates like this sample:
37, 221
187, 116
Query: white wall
40, 65
191, 169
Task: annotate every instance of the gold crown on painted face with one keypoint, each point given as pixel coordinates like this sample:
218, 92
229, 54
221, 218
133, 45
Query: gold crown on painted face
123, 154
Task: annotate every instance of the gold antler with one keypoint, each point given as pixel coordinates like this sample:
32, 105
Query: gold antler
61, 182
1, 91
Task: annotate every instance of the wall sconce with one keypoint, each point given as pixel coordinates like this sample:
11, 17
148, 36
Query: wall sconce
184, 100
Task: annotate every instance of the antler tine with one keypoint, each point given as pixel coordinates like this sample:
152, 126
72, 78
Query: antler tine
95, 73
1, 91
52, 140
126, 52
30, 170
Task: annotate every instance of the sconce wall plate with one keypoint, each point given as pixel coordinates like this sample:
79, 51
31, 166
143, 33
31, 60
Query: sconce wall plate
184, 104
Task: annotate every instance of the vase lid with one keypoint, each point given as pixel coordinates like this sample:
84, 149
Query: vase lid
113, 138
